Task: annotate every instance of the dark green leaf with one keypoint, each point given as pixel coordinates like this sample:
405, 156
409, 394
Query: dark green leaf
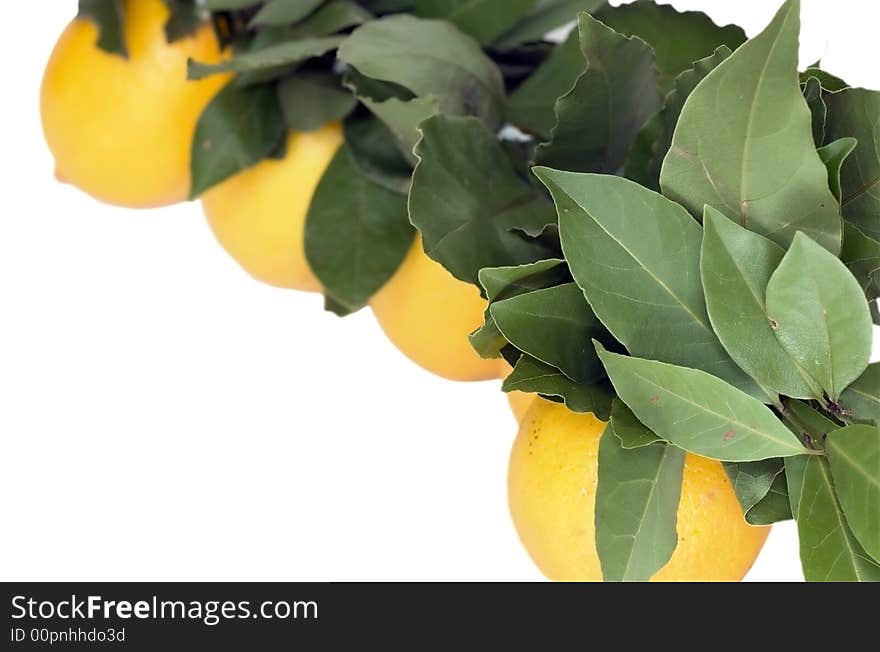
430, 58
637, 499
556, 326
631, 432
222, 5
736, 266
773, 507
636, 256
403, 118
640, 161
284, 12
482, 19
794, 479
184, 20
332, 305
829, 551
373, 149
829, 82
861, 254
808, 421
834, 155
469, 202
862, 399
357, 232
389, 6
332, 17
678, 37
818, 109
819, 314
699, 412
752, 480
855, 112
744, 144
276, 57
598, 121
109, 16
533, 376
854, 456
311, 98
240, 127
547, 16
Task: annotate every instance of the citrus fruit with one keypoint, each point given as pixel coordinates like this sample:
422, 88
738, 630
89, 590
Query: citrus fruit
121, 129
552, 490
428, 314
259, 214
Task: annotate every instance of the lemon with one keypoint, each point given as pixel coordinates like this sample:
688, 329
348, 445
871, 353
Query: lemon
121, 129
552, 492
428, 314
259, 214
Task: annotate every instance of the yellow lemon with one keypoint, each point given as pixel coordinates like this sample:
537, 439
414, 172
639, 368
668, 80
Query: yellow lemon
121, 129
428, 314
552, 491
259, 214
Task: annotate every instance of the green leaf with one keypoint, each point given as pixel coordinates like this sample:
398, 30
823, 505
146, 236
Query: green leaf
631, 432
663, 127
532, 106
547, 16
556, 326
357, 232
598, 121
330, 18
794, 480
735, 267
809, 422
861, 255
430, 58
469, 202
224, 5
482, 19
109, 16
637, 498
678, 38
403, 118
818, 110
699, 412
752, 480
636, 256
744, 144
862, 399
284, 12
834, 155
829, 82
240, 127
373, 149
270, 58
819, 314
854, 456
534, 377
312, 98
185, 19
773, 507
855, 112
829, 551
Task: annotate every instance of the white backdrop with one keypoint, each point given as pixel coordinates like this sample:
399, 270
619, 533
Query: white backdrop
163, 417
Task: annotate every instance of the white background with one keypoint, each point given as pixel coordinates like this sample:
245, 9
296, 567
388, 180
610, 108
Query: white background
163, 417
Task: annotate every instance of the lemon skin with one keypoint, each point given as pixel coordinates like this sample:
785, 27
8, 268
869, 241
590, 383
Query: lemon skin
552, 491
428, 314
121, 129
259, 215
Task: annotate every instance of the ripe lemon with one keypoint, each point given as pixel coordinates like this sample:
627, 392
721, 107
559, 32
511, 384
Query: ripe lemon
259, 214
428, 314
121, 129
552, 490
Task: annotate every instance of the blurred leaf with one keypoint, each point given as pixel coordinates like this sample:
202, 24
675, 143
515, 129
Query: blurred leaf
819, 314
636, 256
546, 17
556, 326
469, 202
752, 480
744, 144
330, 18
678, 38
631, 432
829, 551
310, 99
240, 127
773, 507
854, 456
598, 121
284, 12
735, 267
221, 5
109, 16
697, 411
373, 149
534, 377
862, 399
637, 498
271, 58
356, 233
485, 20
185, 19
861, 255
